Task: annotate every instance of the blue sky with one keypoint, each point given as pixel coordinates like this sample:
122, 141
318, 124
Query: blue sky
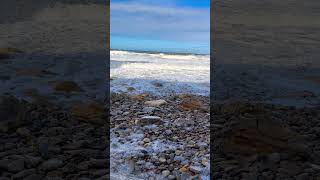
164, 25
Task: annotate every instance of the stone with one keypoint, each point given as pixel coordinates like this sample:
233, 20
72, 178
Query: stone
195, 169
23, 132
148, 120
51, 164
191, 104
274, 157
165, 173
303, 176
34, 72
168, 132
146, 140
92, 112
13, 113
65, 86
98, 163
31, 162
4, 164
162, 160
16, 165
6, 53
24, 173
149, 110
155, 103
183, 169
33, 177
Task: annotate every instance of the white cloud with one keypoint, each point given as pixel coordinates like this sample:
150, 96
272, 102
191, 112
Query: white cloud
156, 21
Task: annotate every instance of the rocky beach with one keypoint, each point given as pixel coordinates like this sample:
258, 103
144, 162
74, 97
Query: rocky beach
160, 137
265, 110
53, 61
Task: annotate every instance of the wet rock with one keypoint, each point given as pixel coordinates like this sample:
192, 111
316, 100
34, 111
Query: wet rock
51, 164
23, 132
33, 72
16, 165
195, 169
149, 110
13, 113
98, 163
65, 86
33, 177
165, 173
31, 161
24, 173
303, 176
148, 120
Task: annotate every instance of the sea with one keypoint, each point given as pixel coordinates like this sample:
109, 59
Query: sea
159, 73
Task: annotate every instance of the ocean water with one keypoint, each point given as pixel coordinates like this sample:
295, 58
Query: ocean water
160, 73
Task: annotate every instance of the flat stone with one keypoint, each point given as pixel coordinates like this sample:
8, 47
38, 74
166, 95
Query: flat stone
148, 120
155, 103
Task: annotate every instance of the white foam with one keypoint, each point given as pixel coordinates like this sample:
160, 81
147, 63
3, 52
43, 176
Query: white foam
177, 73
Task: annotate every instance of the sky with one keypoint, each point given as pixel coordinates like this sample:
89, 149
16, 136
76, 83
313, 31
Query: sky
181, 26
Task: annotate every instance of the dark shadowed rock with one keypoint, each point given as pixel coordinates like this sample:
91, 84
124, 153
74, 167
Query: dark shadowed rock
13, 113
91, 112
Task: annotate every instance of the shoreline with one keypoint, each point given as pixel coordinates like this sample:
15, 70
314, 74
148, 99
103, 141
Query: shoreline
152, 153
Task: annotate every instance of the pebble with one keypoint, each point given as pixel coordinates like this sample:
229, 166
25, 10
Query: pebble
51, 164
162, 160
16, 165
165, 173
195, 169
148, 120
23, 132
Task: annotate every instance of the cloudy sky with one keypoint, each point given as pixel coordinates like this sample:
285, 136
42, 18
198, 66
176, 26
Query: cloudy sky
164, 25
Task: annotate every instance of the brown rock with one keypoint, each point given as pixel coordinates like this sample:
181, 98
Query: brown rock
33, 72
258, 133
6, 53
66, 86
92, 112
192, 104
315, 79
138, 97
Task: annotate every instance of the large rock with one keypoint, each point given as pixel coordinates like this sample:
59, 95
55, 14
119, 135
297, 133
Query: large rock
92, 112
